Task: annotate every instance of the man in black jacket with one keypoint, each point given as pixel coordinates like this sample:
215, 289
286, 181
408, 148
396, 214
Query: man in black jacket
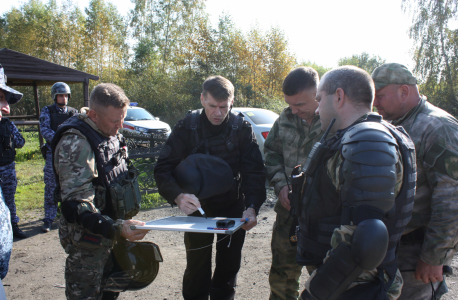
217, 132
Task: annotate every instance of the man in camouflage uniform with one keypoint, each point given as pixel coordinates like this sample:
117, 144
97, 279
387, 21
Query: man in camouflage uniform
87, 227
11, 139
50, 118
289, 142
357, 197
430, 238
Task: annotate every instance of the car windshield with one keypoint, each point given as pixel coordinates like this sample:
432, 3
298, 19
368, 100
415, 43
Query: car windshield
138, 115
261, 116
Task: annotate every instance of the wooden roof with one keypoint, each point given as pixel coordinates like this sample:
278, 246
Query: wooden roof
23, 69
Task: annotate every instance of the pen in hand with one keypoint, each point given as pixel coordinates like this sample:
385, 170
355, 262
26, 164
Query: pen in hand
202, 212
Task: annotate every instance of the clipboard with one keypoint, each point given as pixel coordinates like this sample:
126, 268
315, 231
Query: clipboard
190, 224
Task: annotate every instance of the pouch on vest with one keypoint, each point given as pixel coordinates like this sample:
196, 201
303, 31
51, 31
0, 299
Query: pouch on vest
125, 195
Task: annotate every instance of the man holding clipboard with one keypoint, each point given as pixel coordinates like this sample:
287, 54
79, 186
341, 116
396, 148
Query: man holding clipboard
212, 161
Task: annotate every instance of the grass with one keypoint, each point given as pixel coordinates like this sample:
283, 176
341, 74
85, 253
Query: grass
29, 170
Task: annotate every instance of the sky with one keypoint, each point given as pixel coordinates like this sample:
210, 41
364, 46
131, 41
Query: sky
318, 31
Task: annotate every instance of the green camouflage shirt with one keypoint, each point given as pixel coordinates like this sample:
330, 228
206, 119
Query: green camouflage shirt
287, 145
435, 135
75, 164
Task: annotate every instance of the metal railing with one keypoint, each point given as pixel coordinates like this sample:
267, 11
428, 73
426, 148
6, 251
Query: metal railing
144, 151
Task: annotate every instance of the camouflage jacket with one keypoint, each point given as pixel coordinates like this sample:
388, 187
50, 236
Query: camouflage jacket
6, 237
74, 162
435, 134
288, 145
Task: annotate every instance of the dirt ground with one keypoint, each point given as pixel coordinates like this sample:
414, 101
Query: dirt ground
37, 263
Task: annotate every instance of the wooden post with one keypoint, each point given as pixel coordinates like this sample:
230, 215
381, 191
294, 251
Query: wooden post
37, 110
86, 92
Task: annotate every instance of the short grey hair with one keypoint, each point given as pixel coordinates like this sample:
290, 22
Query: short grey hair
355, 82
108, 94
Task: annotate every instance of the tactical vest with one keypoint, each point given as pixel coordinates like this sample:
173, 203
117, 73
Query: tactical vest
7, 149
117, 193
58, 118
330, 210
224, 146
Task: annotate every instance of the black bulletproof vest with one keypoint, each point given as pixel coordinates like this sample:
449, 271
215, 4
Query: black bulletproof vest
7, 151
329, 212
59, 118
224, 145
111, 165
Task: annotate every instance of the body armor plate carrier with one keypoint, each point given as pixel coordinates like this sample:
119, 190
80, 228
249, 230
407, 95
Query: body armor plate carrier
7, 151
225, 146
367, 178
117, 193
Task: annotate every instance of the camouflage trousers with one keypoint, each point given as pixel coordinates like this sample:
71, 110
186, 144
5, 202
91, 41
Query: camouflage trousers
9, 184
415, 289
285, 273
84, 266
50, 186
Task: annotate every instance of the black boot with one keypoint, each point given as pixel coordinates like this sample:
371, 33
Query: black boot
18, 232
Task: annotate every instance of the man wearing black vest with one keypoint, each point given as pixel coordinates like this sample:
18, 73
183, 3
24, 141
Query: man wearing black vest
50, 118
10, 138
223, 135
358, 195
98, 192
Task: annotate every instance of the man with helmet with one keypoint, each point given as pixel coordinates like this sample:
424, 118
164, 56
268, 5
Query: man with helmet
11, 139
50, 118
358, 195
99, 189
214, 143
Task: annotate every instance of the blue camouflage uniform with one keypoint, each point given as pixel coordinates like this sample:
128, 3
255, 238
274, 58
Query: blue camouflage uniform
8, 175
49, 179
6, 237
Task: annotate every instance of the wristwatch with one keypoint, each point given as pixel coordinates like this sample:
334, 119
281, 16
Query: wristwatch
118, 225
256, 209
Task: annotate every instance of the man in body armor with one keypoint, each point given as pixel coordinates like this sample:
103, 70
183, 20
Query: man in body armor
50, 118
289, 142
430, 238
11, 138
358, 194
222, 135
97, 192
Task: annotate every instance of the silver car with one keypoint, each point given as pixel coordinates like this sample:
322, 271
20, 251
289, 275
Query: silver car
139, 119
261, 120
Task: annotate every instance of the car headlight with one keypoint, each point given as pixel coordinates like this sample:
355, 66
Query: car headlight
141, 129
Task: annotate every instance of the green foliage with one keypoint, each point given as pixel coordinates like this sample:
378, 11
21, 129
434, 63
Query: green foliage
31, 149
436, 48
160, 54
152, 200
30, 188
320, 69
363, 61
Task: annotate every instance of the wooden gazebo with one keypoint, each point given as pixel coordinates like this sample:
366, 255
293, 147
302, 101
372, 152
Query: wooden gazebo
25, 70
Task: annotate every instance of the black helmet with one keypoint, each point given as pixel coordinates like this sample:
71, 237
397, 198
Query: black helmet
135, 266
204, 175
60, 88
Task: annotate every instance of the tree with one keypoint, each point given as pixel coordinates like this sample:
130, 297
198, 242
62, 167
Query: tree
363, 61
436, 48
